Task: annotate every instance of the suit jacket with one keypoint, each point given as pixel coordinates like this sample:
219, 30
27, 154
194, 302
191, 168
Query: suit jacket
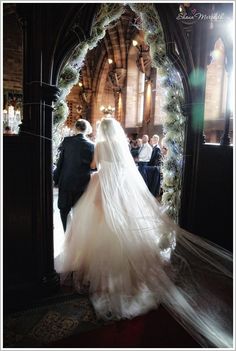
156, 157
72, 173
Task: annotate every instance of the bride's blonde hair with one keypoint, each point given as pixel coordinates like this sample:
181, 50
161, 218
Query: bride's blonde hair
107, 125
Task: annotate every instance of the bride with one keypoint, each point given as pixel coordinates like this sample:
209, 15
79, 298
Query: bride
134, 257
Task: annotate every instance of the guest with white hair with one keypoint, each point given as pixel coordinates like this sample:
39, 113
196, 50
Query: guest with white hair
144, 156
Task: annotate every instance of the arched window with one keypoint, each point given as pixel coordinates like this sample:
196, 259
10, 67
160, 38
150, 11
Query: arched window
135, 92
140, 97
216, 95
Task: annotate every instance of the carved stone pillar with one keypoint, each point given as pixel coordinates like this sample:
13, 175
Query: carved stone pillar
38, 97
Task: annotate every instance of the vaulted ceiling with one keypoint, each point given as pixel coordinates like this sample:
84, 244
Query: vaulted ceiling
115, 46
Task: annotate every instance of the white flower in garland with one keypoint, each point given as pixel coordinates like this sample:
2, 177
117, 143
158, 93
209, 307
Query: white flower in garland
167, 197
61, 112
79, 54
169, 179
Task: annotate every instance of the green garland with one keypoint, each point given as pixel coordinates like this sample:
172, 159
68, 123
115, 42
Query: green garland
174, 123
173, 126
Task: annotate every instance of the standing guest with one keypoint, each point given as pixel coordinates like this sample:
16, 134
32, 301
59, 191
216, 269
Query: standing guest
153, 169
156, 156
72, 173
144, 156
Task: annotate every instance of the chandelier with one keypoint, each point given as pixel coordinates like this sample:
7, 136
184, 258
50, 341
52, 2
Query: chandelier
11, 119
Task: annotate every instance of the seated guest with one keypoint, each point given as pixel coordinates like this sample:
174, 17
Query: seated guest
139, 143
135, 146
144, 156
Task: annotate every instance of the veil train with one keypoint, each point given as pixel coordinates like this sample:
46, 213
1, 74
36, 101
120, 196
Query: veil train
135, 257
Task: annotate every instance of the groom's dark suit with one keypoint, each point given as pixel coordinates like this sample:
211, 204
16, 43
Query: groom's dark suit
73, 172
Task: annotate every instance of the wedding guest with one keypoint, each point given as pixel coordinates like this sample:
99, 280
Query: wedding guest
156, 156
153, 168
135, 148
145, 151
144, 156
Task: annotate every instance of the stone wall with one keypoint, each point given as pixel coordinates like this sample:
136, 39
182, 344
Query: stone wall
12, 52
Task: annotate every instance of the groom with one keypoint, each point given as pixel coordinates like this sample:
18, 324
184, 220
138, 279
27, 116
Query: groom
72, 173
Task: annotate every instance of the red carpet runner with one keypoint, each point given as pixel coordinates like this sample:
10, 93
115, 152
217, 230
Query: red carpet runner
156, 329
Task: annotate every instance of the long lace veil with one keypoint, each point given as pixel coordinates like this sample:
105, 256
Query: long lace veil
192, 276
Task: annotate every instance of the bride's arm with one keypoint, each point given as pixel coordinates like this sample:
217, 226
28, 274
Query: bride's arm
93, 164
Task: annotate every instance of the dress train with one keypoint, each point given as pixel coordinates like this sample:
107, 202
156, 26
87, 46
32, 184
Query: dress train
133, 256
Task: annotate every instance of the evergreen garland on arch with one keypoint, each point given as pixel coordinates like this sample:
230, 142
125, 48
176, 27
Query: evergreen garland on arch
173, 129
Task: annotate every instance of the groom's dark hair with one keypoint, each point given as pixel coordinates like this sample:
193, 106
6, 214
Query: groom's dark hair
81, 125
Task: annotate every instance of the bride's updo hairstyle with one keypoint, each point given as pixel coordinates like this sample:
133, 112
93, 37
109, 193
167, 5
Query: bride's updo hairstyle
108, 126
110, 130
112, 142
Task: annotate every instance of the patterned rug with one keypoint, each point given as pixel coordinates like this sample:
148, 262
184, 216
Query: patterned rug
49, 322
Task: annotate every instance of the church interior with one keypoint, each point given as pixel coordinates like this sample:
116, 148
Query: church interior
156, 68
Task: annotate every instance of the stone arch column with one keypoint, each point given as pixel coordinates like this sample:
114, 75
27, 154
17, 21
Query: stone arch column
47, 43
38, 98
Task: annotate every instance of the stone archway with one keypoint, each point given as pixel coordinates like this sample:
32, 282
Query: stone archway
44, 58
149, 22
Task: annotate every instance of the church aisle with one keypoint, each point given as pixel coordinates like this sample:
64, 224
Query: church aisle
157, 329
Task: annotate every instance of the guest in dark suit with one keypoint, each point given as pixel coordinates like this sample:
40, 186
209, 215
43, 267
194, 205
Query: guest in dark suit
156, 156
72, 173
153, 169
135, 146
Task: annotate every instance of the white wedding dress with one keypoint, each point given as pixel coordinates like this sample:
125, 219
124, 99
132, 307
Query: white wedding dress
134, 257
